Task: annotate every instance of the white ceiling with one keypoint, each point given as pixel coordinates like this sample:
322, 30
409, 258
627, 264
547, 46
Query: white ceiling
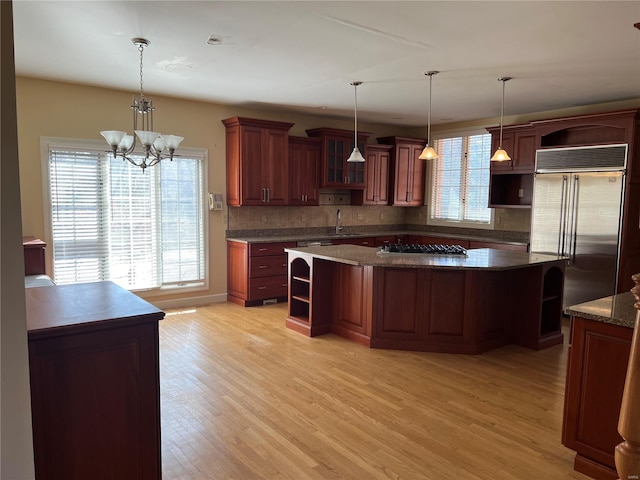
302, 55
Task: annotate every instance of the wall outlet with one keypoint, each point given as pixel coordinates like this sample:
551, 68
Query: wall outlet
381, 215
520, 192
359, 216
264, 219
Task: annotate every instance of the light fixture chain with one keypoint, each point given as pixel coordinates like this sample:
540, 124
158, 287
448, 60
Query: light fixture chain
141, 49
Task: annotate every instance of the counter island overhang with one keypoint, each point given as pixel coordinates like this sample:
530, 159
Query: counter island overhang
439, 303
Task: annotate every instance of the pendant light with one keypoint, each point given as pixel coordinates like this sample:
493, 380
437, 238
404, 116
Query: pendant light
501, 154
355, 156
429, 153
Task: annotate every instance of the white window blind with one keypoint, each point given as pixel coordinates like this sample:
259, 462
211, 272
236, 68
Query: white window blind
460, 180
111, 221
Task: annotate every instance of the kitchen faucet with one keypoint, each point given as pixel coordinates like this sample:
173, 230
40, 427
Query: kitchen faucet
338, 226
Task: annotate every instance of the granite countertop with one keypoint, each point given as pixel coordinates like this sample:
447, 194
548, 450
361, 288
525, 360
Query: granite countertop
481, 258
383, 233
617, 309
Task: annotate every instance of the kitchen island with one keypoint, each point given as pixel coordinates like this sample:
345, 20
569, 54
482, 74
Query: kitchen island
440, 303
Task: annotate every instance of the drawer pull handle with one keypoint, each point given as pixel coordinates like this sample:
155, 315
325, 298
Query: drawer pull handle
262, 288
262, 249
262, 266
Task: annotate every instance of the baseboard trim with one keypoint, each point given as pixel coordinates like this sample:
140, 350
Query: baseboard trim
189, 301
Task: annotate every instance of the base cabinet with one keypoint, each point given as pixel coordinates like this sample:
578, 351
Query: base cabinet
256, 272
596, 371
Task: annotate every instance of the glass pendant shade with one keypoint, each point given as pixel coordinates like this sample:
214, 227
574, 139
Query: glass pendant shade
147, 138
126, 143
429, 153
172, 141
501, 154
113, 137
355, 156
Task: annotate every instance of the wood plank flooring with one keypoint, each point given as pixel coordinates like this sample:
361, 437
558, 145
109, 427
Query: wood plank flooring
245, 398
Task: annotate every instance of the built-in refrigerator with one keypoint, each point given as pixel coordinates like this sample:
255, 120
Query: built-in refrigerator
577, 213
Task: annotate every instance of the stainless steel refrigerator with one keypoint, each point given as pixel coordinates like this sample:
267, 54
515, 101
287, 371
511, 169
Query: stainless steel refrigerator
577, 212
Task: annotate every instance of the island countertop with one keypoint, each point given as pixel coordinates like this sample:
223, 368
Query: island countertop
481, 258
616, 309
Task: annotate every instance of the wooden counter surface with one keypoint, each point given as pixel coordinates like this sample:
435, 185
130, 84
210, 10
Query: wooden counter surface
63, 309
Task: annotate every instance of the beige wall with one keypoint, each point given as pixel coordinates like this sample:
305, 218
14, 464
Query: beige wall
54, 109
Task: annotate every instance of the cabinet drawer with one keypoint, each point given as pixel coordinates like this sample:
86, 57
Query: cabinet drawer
262, 266
498, 245
259, 249
268, 287
386, 240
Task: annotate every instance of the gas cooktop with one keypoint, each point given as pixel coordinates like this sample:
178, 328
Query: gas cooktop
430, 248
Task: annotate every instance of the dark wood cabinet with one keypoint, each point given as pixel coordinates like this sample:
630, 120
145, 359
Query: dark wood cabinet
596, 371
304, 164
407, 171
257, 160
362, 241
511, 183
95, 384
376, 190
256, 272
336, 146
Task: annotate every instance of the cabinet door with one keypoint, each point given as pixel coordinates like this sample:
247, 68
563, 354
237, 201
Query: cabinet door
417, 177
524, 154
355, 171
403, 160
275, 170
335, 151
252, 166
377, 178
303, 172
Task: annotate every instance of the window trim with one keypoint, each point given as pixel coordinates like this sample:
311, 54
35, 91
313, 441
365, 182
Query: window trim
48, 143
429, 187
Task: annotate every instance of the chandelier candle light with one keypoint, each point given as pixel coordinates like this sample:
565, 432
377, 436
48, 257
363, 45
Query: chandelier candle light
355, 156
156, 146
501, 154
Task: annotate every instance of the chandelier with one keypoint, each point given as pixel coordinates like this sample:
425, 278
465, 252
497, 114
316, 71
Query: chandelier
156, 146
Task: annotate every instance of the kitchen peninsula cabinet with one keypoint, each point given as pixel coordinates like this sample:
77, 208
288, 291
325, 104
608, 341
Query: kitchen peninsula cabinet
601, 333
95, 382
335, 148
304, 159
256, 272
257, 161
376, 190
407, 171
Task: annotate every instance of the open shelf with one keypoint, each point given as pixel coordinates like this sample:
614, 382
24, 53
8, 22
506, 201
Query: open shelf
551, 312
511, 190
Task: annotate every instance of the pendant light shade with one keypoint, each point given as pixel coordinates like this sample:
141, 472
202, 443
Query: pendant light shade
355, 156
429, 153
501, 154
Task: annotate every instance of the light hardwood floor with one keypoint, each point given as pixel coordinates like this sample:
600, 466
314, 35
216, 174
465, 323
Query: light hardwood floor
245, 398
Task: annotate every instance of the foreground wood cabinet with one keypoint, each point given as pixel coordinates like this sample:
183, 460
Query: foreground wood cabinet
257, 160
95, 384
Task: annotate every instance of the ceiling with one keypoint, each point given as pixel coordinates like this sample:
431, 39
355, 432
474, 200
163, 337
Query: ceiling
302, 56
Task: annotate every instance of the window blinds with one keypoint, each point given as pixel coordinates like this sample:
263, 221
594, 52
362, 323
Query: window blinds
111, 221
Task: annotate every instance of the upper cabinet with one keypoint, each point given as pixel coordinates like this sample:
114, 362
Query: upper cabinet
304, 164
257, 153
376, 190
336, 146
520, 143
407, 171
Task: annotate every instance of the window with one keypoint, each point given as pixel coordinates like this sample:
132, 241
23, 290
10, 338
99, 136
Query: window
112, 221
460, 181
